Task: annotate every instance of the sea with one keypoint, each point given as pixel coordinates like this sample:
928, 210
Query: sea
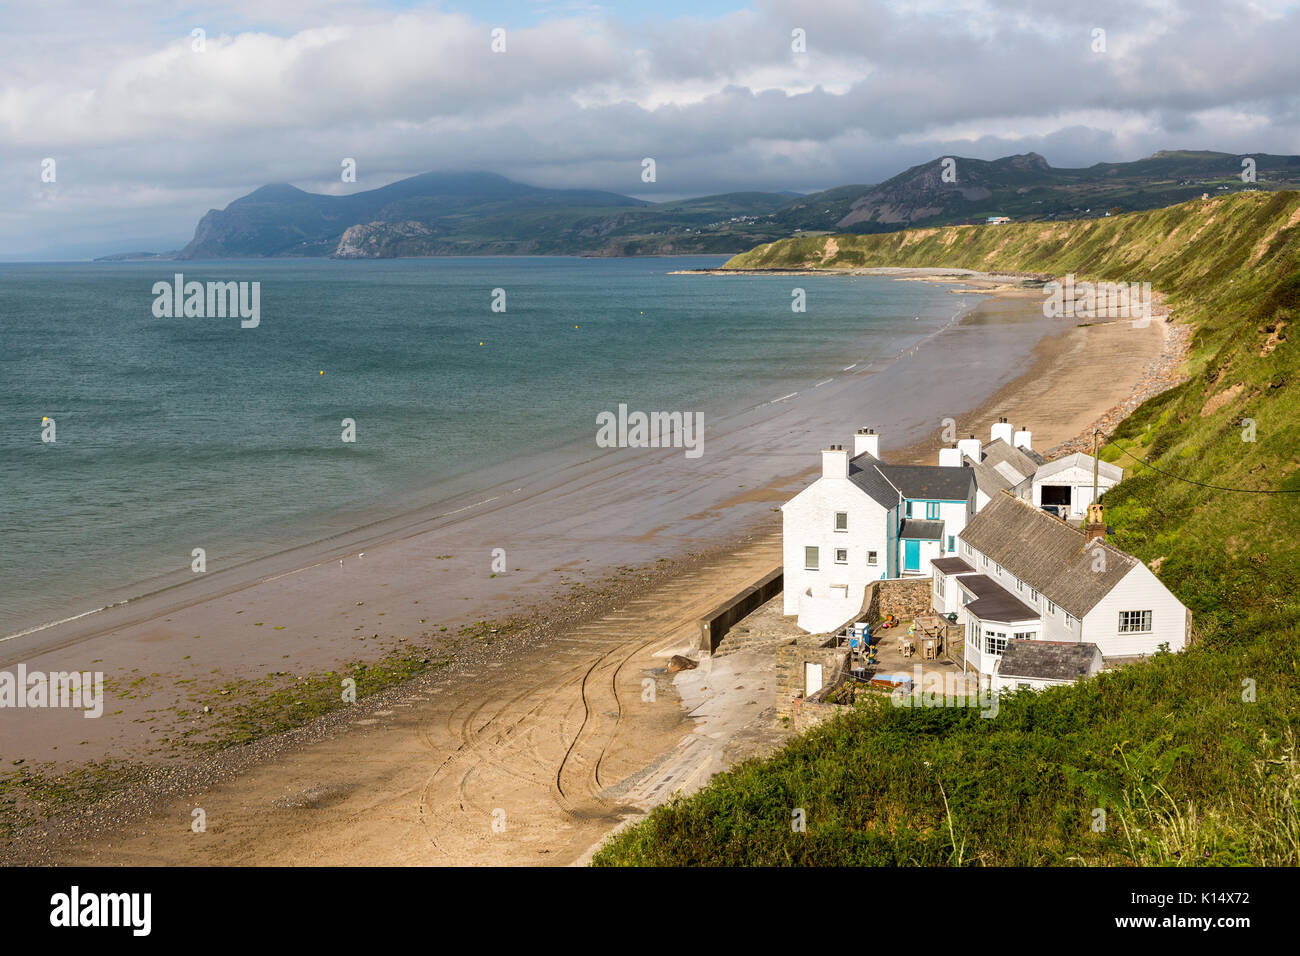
128, 440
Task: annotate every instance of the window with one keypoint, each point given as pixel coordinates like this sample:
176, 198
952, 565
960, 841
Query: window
986, 560
1134, 622
810, 559
1033, 595
1024, 635
967, 548
871, 557
841, 555
952, 543
841, 521
1069, 622
938, 584
995, 642
997, 569
909, 509
932, 510
1051, 608
1020, 586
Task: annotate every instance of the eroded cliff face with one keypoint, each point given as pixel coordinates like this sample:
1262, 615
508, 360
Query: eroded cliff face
381, 240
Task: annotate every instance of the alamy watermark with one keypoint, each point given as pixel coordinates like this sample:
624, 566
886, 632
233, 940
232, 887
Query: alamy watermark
1097, 300
651, 430
81, 690
215, 300
935, 689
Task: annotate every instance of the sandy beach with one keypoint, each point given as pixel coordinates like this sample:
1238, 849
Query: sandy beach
536, 737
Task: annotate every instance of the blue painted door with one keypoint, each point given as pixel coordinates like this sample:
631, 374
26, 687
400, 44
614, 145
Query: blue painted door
912, 556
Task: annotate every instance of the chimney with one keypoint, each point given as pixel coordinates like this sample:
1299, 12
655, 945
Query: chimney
866, 440
1023, 439
970, 447
835, 462
1095, 527
1001, 429
949, 457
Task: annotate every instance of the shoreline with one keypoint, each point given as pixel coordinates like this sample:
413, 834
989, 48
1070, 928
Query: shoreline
1054, 353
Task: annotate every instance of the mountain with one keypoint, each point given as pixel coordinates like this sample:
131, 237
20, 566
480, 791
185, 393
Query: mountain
474, 213
1026, 187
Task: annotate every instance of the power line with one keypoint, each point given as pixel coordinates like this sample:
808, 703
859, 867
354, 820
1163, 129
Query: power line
1193, 481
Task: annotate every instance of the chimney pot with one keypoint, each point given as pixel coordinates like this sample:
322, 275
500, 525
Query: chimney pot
866, 441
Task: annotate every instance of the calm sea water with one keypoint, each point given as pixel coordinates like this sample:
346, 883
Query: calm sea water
178, 433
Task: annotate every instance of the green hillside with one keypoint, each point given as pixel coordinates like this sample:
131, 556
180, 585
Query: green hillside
1193, 756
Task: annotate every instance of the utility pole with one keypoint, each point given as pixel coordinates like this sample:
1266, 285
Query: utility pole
1095, 433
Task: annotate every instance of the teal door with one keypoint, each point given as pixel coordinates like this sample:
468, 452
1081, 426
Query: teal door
911, 555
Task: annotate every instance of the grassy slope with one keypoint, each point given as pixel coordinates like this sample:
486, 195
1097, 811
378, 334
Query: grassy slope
1187, 770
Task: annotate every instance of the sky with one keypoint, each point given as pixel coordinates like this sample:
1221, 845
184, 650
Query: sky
149, 128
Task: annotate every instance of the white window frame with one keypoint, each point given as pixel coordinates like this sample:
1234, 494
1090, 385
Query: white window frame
992, 639
842, 551
811, 551
1144, 618
873, 558
838, 516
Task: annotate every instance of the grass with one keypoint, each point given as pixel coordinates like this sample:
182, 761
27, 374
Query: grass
1183, 759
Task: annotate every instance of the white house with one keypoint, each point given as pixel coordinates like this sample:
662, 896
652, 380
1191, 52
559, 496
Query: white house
865, 519
1064, 486
1037, 578
1036, 665
1007, 463
946, 592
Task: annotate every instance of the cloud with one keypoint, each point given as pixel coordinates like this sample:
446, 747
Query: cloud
148, 133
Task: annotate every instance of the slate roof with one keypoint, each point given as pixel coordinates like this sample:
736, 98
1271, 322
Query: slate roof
1048, 660
864, 474
1081, 460
951, 565
993, 602
920, 529
929, 482
1046, 553
1000, 467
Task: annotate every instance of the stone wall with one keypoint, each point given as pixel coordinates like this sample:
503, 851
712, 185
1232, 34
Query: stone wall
790, 661
807, 714
904, 598
715, 624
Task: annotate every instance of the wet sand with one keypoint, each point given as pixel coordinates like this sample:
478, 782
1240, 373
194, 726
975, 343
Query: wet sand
570, 528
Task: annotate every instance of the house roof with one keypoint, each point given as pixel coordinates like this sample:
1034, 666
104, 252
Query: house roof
929, 482
920, 529
1048, 660
993, 602
1046, 553
864, 474
1000, 467
951, 566
1080, 460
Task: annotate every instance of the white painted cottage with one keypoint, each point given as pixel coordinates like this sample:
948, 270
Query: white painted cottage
1064, 486
1026, 575
864, 519
1037, 665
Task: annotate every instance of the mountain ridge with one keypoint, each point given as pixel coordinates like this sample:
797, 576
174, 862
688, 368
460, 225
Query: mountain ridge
480, 213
